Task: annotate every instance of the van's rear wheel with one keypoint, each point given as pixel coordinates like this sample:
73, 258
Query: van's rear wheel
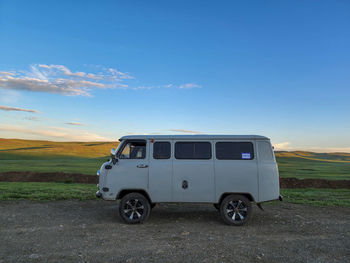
235, 210
134, 208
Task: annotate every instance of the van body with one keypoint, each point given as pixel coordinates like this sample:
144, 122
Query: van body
191, 168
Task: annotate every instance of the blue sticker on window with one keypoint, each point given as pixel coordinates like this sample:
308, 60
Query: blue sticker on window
245, 155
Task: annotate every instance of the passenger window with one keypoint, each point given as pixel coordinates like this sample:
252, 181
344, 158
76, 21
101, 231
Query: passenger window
133, 150
234, 151
161, 150
265, 151
193, 150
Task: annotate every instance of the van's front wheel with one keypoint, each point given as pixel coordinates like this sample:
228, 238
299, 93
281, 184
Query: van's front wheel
235, 210
134, 208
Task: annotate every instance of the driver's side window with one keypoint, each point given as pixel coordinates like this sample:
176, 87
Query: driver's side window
133, 150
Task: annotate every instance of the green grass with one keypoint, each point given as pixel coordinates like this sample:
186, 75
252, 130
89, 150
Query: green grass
46, 191
317, 197
45, 156
62, 191
312, 169
49, 163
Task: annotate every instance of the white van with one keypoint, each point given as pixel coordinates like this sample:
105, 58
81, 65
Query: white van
229, 171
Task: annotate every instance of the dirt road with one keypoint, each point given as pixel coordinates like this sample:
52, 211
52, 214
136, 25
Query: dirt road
91, 231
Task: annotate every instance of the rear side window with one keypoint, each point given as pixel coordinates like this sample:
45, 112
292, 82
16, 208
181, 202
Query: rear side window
265, 151
161, 150
193, 150
234, 151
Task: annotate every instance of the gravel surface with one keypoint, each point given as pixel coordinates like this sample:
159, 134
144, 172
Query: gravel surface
91, 231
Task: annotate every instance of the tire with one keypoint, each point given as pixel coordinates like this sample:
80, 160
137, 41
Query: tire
235, 210
134, 208
217, 206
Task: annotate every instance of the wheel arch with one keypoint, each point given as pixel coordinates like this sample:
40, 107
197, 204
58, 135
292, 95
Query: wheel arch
248, 195
124, 192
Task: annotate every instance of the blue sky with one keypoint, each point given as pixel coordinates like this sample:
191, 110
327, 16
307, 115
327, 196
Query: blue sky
97, 70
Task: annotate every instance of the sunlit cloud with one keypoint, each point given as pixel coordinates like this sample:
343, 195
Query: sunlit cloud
286, 146
59, 79
6, 73
281, 146
51, 133
185, 131
75, 123
6, 108
327, 149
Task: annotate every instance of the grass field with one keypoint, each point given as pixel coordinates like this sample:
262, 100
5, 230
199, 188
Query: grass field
46, 191
302, 168
87, 157
46, 156
63, 191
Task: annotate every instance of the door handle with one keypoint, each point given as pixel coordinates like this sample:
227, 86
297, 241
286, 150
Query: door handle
142, 166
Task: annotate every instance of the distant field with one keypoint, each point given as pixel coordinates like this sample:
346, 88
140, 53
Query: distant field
87, 157
46, 156
304, 165
55, 149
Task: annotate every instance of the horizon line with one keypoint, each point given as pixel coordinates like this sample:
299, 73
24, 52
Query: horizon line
63, 141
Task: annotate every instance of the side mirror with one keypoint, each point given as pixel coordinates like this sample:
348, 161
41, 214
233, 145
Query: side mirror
113, 153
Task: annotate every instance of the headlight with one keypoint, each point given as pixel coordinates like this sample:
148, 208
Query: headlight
98, 173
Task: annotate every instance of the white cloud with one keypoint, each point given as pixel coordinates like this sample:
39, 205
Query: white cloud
286, 146
61, 80
182, 86
327, 149
65, 71
189, 86
184, 131
281, 146
119, 75
75, 123
6, 73
6, 108
51, 133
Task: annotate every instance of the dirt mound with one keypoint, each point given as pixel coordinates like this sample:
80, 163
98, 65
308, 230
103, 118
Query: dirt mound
313, 183
93, 179
48, 177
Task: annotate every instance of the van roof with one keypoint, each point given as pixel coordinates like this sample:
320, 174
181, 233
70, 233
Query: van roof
195, 137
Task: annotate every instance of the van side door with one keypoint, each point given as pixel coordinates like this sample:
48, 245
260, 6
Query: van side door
160, 171
131, 170
193, 172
